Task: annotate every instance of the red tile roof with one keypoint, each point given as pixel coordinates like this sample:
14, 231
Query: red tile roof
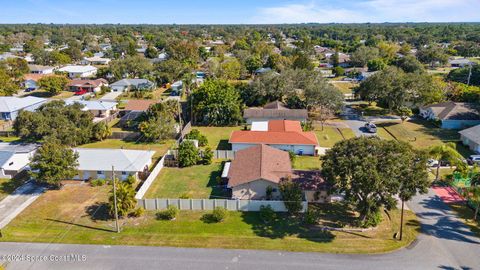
259, 162
279, 132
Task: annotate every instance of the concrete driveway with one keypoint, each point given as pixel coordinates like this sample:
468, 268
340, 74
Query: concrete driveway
444, 243
111, 96
15, 203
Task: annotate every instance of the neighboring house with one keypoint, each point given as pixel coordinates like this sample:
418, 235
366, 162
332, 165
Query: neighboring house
15, 158
460, 62
262, 71
7, 55
471, 138
95, 60
30, 81
256, 172
39, 69
87, 85
134, 109
98, 163
100, 109
452, 115
282, 134
132, 84
274, 111
79, 71
11, 106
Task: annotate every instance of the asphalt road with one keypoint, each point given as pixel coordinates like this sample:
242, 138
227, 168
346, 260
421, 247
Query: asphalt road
445, 243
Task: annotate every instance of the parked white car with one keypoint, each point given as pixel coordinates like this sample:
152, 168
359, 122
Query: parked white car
432, 163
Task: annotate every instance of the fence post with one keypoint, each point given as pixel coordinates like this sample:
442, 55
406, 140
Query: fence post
168, 202
238, 205
156, 204
214, 203
203, 204
191, 204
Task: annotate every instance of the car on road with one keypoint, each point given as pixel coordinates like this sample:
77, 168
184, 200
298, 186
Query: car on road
371, 127
473, 159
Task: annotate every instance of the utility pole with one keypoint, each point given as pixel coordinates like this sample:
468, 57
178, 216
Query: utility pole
401, 222
115, 200
469, 74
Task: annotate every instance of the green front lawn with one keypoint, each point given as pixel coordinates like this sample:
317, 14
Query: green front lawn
77, 214
193, 182
421, 134
307, 163
345, 87
331, 135
218, 136
8, 186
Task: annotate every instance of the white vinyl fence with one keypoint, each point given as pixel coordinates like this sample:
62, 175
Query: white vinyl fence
210, 204
146, 184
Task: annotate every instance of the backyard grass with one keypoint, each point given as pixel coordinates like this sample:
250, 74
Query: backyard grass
331, 135
196, 182
77, 214
218, 136
345, 87
9, 139
421, 134
307, 163
159, 148
45, 94
369, 109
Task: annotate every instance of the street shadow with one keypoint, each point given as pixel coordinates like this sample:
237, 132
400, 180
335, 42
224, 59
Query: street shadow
453, 268
283, 226
8, 187
444, 225
80, 225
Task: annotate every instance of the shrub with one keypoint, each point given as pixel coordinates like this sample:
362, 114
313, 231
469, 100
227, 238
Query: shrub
131, 180
267, 214
138, 212
97, 182
184, 196
188, 154
207, 156
371, 220
196, 135
312, 216
219, 214
169, 214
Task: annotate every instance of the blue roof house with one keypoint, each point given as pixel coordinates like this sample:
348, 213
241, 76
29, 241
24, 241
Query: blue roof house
11, 106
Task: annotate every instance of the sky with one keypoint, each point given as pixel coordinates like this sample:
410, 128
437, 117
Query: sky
237, 11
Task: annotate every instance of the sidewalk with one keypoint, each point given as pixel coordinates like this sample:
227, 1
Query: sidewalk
448, 194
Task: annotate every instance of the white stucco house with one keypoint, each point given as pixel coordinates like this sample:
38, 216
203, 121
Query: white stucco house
452, 115
281, 134
471, 138
15, 158
75, 71
10, 107
97, 163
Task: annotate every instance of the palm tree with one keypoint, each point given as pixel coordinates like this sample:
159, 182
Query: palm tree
446, 152
474, 195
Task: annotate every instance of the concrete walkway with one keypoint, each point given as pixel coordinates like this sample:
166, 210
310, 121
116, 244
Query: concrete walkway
111, 96
15, 203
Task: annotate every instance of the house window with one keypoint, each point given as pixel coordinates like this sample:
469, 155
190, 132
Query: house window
124, 173
99, 172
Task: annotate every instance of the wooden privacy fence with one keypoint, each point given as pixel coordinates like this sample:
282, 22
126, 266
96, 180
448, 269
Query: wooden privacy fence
210, 204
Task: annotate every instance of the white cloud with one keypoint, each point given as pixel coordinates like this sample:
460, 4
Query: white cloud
324, 11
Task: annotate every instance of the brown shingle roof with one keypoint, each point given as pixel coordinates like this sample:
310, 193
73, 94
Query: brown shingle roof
138, 104
86, 83
277, 105
454, 111
259, 162
275, 109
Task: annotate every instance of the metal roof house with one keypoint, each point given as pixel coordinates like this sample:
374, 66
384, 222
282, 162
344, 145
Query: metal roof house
15, 158
471, 138
11, 106
452, 115
79, 71
132, 84
97, 163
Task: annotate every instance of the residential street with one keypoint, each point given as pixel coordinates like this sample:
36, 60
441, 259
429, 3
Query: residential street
445, 243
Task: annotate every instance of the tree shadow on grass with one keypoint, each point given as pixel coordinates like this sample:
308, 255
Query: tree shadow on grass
10, 186
218, 187
283, 226
98, 211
